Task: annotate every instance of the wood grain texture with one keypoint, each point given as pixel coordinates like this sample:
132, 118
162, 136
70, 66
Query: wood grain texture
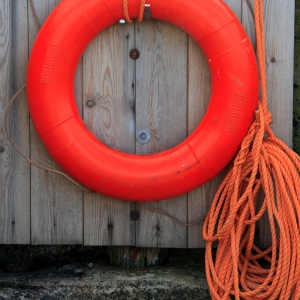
236, 7
14, 171
108, 80
56, 204
198, 97
161, 108
280, 45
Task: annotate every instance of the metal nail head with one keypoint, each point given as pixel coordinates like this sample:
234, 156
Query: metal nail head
134, 53
143, 136
90, 103
135, 215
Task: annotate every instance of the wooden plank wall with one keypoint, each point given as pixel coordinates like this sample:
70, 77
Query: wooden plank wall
165, 91
14, 171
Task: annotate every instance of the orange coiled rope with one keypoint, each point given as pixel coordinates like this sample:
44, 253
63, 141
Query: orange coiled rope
264, 163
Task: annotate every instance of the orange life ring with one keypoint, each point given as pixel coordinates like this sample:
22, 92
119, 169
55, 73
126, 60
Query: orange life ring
50, 88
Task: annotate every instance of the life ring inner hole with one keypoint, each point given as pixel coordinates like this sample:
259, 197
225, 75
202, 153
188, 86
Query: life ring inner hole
163, 94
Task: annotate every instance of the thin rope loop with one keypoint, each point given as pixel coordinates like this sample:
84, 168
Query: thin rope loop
126, 11
141, 12
163, 212
35, 15
20, 152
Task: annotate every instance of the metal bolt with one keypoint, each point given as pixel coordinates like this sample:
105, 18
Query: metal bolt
143, 136
147, 12
134, 215
90, 103
134, 53
2, 149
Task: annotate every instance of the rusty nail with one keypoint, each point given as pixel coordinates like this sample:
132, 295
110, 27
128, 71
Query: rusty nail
134, 215
2, 149
90, 103
134, 53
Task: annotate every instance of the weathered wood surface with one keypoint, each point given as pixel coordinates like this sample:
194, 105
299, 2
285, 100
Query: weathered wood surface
108, 79
161, 107
56, 204
165, 91
14, 171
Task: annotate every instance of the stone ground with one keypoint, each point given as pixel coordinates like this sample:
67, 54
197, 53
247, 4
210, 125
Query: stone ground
68, 272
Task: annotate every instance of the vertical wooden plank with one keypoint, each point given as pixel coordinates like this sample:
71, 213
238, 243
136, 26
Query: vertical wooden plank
109, 85
248, 21
279, 36
279, 16
236, 6
14, 171
56, 204
199, 200
161, 108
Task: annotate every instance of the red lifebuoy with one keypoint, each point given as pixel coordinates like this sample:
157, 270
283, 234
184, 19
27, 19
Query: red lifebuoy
50, 87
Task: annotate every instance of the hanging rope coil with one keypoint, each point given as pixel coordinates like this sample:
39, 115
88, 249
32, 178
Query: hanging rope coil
264, 162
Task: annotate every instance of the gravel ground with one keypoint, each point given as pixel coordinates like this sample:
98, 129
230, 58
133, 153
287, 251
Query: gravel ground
83, 276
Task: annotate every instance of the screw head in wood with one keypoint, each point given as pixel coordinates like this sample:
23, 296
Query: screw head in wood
135, 215
143, 136
134, 53
90, 103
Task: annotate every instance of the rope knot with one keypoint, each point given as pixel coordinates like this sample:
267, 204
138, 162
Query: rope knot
268, 118
263, 117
